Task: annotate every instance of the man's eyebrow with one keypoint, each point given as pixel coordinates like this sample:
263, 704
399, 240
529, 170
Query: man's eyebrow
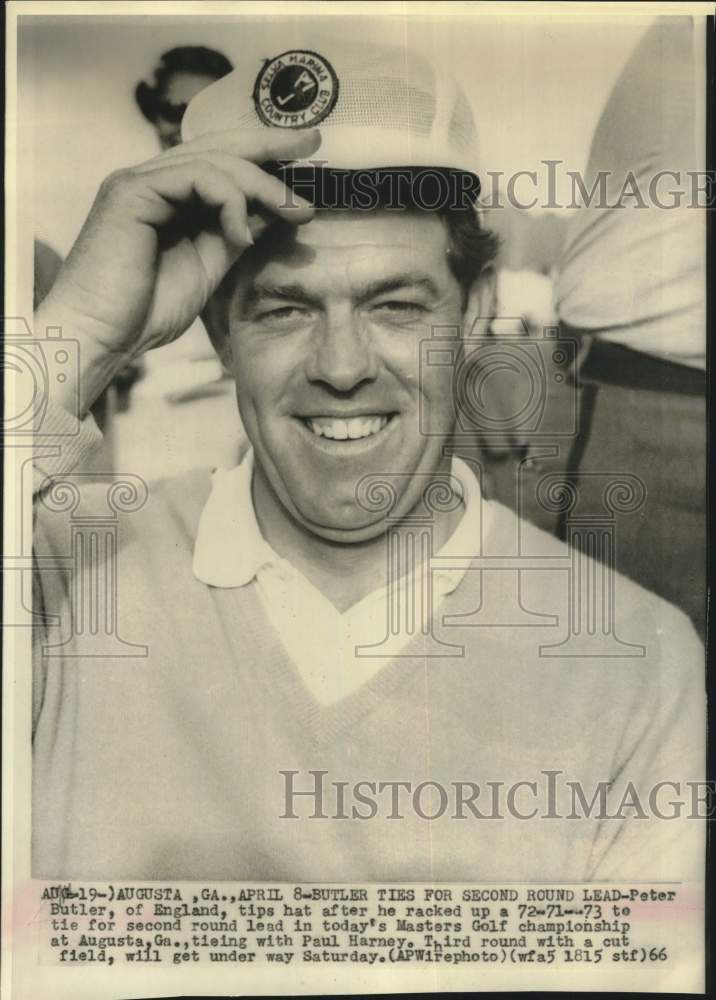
294, 293
297, 293
383, 286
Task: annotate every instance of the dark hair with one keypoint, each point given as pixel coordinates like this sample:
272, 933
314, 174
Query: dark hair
184, 59
472, 246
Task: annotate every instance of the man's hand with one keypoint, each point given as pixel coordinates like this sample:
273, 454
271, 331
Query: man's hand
160, 237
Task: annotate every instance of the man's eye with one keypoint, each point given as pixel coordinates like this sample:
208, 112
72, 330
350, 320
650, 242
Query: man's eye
400, 307
283, 315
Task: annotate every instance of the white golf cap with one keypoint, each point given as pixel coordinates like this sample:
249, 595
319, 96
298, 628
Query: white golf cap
376, 106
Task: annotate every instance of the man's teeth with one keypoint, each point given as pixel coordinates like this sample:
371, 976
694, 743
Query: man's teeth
341, 430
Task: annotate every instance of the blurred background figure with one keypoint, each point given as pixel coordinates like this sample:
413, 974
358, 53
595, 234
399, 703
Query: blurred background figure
621, 279
182, 72
528, 241
513, 461
631, 288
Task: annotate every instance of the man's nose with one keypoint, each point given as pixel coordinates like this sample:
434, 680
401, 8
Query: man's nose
342, 355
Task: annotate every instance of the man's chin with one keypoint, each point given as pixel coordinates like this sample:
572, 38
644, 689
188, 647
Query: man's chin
352, 536
352, 528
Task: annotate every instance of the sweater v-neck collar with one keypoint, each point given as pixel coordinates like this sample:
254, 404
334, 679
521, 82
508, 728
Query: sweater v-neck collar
261, 645
322, 722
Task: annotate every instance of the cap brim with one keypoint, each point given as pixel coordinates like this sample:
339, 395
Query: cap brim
392, 187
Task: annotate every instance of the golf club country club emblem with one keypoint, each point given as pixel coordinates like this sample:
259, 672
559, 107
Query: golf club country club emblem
295, 90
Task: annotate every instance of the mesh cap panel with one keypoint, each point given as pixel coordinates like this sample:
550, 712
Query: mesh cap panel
462, 133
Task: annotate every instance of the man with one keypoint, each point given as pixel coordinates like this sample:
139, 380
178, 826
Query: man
632, 288
288, 673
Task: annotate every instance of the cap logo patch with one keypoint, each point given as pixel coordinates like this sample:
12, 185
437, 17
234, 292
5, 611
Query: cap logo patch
295, 90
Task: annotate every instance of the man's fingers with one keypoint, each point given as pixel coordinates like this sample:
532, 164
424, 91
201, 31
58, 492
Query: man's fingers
234, 223
252, 181
151, 198
258, 223
256, 145
216, 255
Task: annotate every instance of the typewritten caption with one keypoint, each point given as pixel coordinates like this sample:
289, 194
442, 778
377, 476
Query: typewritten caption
228, 925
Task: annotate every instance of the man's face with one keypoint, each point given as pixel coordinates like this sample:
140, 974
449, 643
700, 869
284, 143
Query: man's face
180, 89
325, 332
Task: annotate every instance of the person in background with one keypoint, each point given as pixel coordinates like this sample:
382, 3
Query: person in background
631, 289
182, 72
529, 249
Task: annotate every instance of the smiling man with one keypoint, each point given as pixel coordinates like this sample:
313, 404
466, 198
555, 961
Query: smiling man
322, 337
311, 693
322, 328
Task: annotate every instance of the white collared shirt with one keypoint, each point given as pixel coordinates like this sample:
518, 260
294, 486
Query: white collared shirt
230, 551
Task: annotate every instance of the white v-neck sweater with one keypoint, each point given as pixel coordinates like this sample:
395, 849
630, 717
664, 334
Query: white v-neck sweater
172, 765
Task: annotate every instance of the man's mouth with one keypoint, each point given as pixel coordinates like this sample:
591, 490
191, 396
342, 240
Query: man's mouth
350, 428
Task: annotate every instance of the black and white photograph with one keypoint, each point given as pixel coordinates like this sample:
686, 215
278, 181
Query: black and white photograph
355, 498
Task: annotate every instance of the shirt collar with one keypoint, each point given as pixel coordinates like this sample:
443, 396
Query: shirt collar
466, 540
230, 550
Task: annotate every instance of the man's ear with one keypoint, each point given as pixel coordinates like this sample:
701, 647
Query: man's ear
481, 306
215, 318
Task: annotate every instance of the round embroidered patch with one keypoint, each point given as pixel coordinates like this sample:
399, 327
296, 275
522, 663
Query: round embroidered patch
295, 90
